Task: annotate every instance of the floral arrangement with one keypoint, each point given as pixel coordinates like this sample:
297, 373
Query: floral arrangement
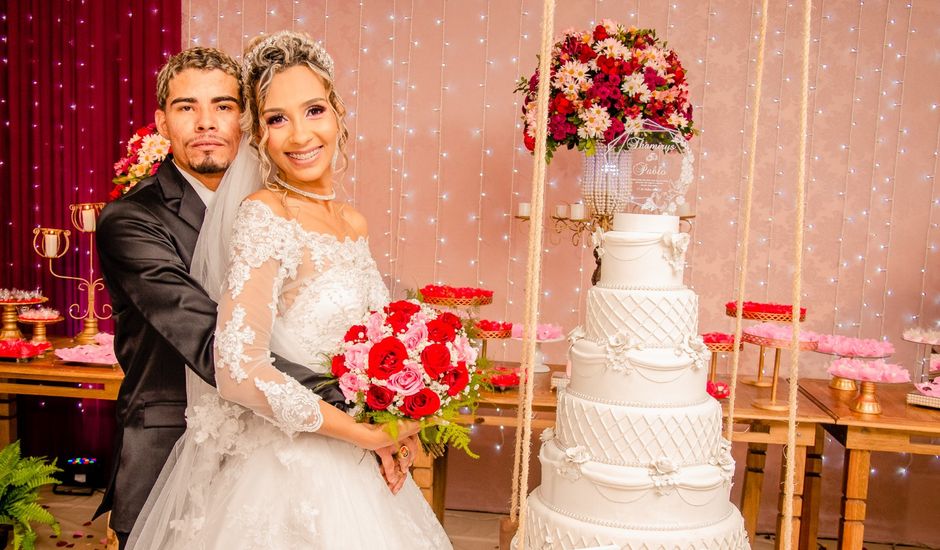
607, 85
146, 150
17, 295
39, 314
444, 291
543, 332
852, 347
410, 361
503, 378
718, 389
869, 371
718, 338
99, 353
21, 349
922, 336
758, 307
774, 331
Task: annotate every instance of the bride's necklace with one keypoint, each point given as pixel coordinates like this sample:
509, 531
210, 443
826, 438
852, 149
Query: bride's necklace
309, 194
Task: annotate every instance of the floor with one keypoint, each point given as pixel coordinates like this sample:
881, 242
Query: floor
467, 530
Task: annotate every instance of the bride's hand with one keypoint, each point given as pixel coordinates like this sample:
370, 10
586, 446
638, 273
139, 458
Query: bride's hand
375, 436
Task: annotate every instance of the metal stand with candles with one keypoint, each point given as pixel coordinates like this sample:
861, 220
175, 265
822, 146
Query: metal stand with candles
54, 243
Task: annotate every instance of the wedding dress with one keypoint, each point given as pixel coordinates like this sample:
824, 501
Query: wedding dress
251, 472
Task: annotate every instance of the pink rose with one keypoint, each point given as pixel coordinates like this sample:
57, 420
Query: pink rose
406, 382
357, 357
416, 334
351, 385
375, 326
465, 352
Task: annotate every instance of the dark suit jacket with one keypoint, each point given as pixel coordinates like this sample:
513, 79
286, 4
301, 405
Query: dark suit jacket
164, 322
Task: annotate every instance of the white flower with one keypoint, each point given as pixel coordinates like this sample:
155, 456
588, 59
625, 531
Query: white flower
547, 435
574, 70
595, 122
632, 125
676, 120
611, 26
613, 48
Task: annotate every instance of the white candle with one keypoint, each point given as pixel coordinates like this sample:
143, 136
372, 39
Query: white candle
525, 209
88, 219
577, 211
561, 211
50, 245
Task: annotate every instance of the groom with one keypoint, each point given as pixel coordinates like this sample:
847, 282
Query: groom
164, 320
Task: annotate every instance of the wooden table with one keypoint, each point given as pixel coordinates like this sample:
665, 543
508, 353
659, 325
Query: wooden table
901, 428
763, 427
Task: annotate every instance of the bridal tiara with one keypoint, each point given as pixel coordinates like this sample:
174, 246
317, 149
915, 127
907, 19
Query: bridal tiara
320, 57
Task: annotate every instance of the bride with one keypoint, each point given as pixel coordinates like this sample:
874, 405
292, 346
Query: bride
263, 462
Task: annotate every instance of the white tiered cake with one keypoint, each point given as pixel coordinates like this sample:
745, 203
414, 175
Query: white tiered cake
637, 459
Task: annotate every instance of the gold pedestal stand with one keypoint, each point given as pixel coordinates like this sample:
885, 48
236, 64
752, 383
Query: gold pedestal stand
716, 348
771, 404
39, 328
759, 381
866, 402
10, 330
842, 384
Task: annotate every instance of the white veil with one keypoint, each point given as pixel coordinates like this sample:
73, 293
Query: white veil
185, 476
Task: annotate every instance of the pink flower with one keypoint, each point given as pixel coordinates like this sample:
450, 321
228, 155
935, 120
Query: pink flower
406, 382
416, 333
351, 385
357, 357
465, 352
375, 326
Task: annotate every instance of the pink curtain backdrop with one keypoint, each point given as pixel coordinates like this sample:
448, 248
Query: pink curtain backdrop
76, 78
439, 167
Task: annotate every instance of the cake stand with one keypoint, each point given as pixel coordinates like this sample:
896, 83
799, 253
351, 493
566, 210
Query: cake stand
539, 359
486, 335
10, 331
39, 327
759, 381
716, 348
804, 345
847, 384
922, 359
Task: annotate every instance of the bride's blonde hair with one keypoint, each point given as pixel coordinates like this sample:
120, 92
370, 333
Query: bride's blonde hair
269, 55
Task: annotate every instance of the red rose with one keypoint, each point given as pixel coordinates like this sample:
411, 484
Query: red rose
421, 404
529, 142
115, 193
451, 320
356, 334
338, 366
386, 358
379, 398
600, 33
441, 331
403, 306
435, 359
398, 321
457, 378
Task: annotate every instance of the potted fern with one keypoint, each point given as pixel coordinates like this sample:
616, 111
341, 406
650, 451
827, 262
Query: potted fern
20, 480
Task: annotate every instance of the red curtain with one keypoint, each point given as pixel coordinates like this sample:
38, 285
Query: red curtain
77, 77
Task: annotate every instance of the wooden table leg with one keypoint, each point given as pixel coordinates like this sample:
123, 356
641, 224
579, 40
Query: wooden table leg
7, 419
800, 459
854, 494
751, 490
812, 490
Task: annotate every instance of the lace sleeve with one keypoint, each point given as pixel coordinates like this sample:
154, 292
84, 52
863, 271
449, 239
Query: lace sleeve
265, 251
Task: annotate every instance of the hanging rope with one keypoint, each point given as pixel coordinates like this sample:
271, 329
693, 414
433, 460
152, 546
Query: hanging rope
533, 288
789, 485
748, 199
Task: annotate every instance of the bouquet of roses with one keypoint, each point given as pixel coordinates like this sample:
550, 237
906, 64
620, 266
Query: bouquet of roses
146, 150
608, 85
410, 361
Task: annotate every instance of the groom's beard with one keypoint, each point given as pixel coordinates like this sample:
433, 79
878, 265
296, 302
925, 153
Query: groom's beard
210, 165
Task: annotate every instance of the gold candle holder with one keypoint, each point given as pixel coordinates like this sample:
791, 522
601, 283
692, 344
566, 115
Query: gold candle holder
52, 244
842, 384
866, 402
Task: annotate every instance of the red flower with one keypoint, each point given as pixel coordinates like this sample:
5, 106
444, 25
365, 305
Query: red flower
379, 398
529, 142
457, 378
600, 33
451, 319
398, 321
562, 105
403, 306
386, 358
115, 193
356, 334
338, 365
421, 404
435, 359
441, 331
